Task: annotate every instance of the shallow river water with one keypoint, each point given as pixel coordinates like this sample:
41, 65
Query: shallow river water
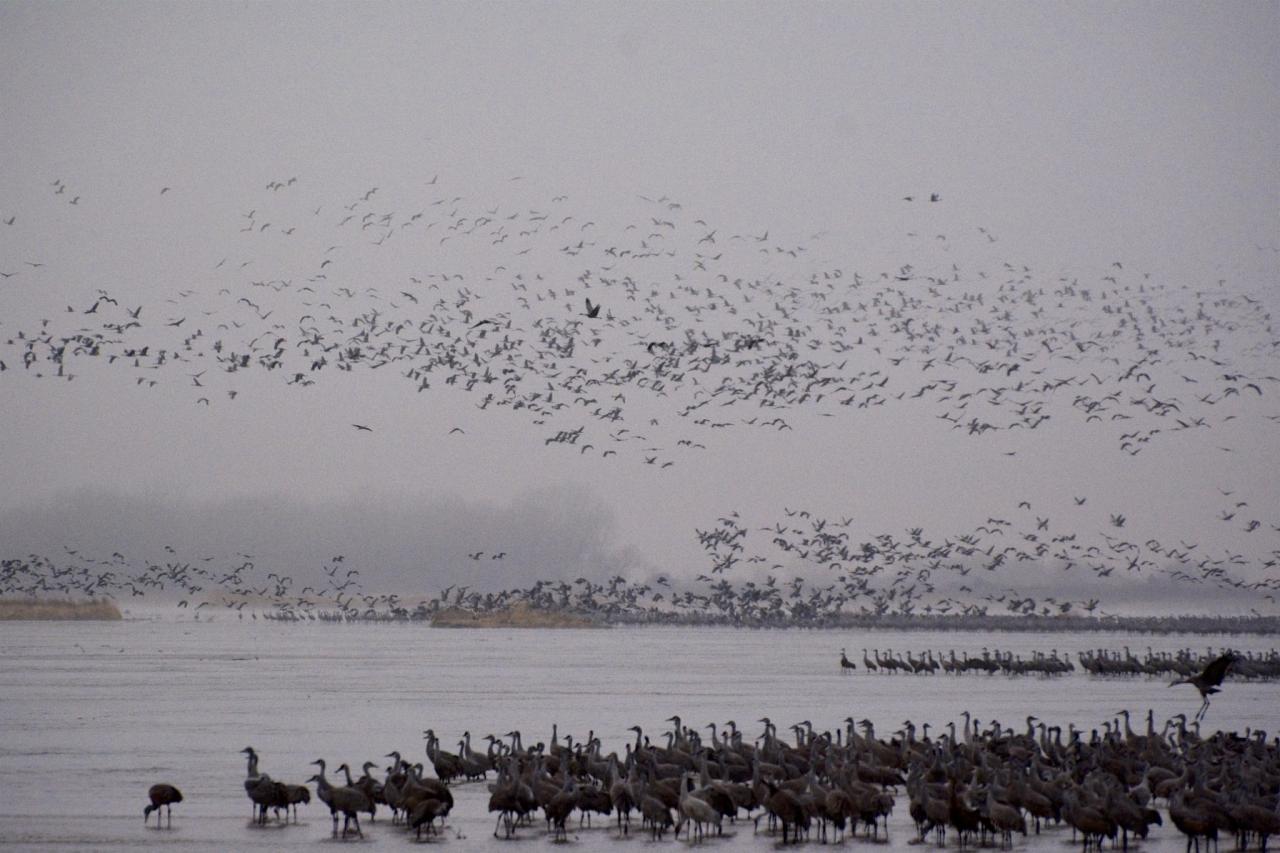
92, 714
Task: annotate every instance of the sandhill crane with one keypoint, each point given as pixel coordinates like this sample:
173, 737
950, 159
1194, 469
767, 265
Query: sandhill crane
846, 666
1092, 823
368, 789
1209, 680
557, 808
164, 795
622, 794
656, 813
349, 801
416, 789
425, 813
504, 798
447, 765
1192, 821
474, 765
297, 794
593, 800
695, 809
264, 792
1259, 820
373, 789
1006, 819
510, 797
785, 807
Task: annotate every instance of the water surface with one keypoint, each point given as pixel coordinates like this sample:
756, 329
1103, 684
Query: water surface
92, 714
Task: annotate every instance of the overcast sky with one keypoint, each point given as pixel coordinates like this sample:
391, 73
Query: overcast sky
1073, 135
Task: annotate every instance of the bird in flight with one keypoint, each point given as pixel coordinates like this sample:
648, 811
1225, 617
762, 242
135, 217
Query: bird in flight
363, 427
1209, 680
593, 310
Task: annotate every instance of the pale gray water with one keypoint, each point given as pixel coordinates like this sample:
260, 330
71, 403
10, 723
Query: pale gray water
92, 714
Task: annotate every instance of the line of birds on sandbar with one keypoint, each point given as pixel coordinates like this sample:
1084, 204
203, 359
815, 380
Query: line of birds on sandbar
1259, 666
971, 783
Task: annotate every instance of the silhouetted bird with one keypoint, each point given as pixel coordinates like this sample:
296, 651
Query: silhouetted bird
1209, 679
846, 665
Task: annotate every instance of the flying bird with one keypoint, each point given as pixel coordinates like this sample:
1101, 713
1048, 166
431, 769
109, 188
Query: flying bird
1210, 679
363, 427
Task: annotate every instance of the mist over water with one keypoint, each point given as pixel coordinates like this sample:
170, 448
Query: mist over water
411, 544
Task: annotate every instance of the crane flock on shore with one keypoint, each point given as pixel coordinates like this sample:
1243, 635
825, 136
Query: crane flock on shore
967, 784
646, 341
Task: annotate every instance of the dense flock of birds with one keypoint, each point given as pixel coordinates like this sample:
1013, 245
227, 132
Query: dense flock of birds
874, 593
769, 602
968, 784
650, 338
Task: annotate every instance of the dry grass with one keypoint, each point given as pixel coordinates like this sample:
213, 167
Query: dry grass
519, 616
45, 610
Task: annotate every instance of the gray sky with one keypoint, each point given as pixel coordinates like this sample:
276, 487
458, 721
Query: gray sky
1076, 135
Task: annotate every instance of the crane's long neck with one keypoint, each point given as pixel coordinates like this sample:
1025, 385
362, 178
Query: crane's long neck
253, 764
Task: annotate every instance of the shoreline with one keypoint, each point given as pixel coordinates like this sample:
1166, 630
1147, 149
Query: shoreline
522, 616
519, 616
45, 610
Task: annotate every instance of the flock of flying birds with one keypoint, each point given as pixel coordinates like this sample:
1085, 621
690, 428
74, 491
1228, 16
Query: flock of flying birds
649, 341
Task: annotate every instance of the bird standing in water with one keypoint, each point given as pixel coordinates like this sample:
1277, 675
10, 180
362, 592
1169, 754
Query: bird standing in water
162, 795
846, 665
